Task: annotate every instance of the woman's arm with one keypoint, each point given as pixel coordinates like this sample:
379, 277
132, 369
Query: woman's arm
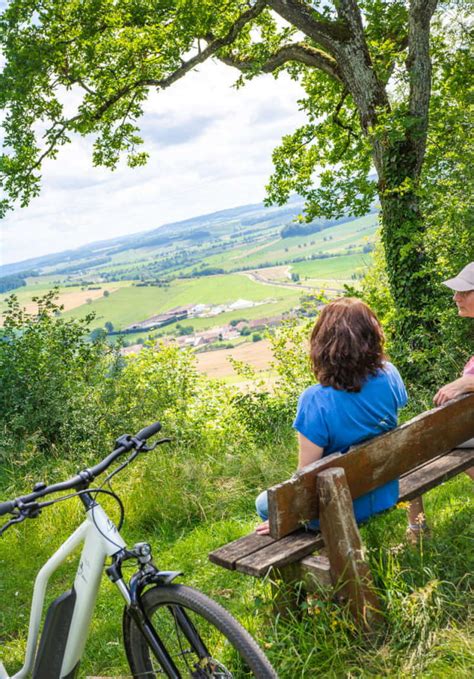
463, 385
308, 451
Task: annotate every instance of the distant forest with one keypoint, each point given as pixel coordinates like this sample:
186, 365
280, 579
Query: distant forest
11, 282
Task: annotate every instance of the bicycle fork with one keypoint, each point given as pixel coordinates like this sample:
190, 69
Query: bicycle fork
147, 575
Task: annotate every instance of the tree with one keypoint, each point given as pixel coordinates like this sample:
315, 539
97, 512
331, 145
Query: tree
106, 293
365, 66
109, 326
98, 334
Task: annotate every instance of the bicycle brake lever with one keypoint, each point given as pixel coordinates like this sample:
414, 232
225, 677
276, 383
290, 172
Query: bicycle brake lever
147, 449
18, 519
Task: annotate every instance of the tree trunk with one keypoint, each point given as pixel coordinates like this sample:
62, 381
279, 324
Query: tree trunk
408, 268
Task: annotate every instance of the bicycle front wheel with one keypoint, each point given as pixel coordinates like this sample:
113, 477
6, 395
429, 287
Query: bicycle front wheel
203, 640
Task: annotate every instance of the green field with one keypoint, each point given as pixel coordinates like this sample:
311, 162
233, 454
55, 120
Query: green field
131, 304
337, 268
36, 287
275, 249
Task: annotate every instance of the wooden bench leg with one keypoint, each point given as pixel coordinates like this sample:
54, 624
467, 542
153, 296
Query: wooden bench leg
288, 591
350, 573
292, 583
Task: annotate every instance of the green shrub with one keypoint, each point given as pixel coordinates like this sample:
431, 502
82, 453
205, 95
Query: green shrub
50, 375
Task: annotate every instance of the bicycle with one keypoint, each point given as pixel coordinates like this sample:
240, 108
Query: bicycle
169, 629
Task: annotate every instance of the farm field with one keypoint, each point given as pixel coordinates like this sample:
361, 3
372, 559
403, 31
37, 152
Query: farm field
130, 304
232, 244
71, 297
216, 363
319, 271
335, 239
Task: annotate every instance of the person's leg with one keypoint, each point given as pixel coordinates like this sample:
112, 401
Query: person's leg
261, 504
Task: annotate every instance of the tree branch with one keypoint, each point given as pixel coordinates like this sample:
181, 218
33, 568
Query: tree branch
63, 126
299, 13
304, 54
418, 66
186, 66
338, 121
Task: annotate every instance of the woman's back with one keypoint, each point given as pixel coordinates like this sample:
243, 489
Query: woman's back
336, 419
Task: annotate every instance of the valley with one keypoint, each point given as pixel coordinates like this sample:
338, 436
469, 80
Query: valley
217, 281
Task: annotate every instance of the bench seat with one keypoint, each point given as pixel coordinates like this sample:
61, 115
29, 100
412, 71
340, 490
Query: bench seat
257, 554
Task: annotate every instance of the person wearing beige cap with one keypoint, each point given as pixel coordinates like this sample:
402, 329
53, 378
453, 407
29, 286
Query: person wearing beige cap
463, 286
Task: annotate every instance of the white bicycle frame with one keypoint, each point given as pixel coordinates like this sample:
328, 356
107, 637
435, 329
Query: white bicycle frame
101, 540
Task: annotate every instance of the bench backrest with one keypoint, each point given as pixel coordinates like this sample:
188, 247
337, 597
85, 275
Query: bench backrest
374, 463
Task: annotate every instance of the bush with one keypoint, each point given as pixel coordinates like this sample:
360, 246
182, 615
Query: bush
50, 378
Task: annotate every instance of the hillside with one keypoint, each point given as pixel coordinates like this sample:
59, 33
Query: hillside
213, 281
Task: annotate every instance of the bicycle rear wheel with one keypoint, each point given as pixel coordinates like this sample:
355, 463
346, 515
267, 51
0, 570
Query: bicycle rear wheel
214, 645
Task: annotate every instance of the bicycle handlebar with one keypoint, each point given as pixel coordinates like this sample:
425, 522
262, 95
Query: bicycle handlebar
7, 507
149, 431
84, 477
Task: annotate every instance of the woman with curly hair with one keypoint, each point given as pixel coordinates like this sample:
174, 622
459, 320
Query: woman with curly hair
358, 396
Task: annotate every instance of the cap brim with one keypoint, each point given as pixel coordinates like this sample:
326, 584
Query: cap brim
458, 284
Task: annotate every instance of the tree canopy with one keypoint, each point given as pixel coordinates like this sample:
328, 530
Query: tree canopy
373, 71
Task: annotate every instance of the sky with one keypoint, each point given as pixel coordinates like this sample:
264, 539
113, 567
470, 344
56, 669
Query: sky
210, 148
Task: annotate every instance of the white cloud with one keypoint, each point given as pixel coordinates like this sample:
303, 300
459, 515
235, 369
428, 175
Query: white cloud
210, 148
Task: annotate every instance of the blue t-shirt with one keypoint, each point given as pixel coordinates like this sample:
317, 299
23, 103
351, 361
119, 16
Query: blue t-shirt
336, 420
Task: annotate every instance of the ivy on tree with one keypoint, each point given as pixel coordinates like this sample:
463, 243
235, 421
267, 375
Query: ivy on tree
365, 67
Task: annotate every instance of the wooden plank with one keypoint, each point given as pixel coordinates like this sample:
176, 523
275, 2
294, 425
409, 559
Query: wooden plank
374, 463
229, 554
280, 553
430, 475
315, 571
349, 570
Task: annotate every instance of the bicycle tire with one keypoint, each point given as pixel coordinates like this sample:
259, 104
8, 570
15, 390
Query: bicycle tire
239, 654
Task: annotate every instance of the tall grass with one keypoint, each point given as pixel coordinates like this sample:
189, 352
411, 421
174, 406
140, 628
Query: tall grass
427, 592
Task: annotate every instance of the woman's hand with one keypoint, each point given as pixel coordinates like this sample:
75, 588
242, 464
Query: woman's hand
463, 385
263, 529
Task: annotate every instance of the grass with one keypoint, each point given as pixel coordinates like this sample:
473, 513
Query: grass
427, 592
130, 304
338, 268
39, 286
277, 249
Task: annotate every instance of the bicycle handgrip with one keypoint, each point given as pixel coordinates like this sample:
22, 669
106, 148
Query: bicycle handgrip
7, 507
146, 432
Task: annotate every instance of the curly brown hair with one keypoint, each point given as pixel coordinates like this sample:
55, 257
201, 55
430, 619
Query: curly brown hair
346, 344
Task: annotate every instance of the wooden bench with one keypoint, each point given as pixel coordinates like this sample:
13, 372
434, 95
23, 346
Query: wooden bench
423, 453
